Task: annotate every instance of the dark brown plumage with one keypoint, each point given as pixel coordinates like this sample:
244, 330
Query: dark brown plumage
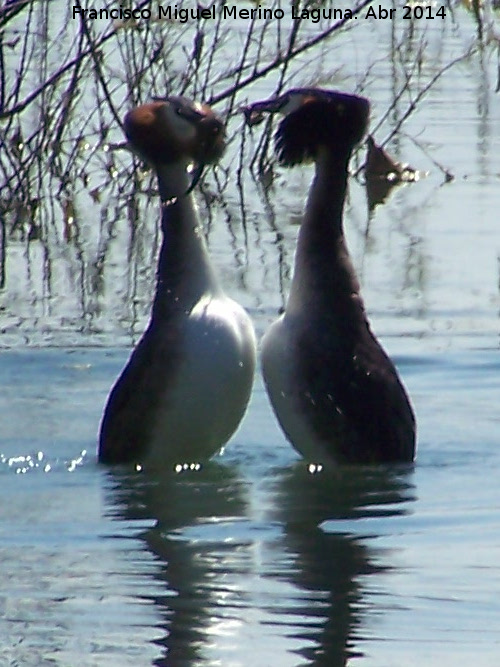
335, 392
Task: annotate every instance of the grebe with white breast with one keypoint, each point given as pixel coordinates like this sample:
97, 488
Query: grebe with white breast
334, 390
186, 385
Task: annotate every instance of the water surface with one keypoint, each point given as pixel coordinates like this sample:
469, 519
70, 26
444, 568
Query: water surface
253, 553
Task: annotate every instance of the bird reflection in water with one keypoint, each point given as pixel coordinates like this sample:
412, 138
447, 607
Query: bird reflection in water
291, 560
189, 512
332, 557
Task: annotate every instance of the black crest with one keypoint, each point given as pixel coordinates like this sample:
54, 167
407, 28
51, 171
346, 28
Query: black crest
322, 118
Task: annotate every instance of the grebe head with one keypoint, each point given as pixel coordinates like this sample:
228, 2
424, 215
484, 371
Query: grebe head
314, 119
175, 129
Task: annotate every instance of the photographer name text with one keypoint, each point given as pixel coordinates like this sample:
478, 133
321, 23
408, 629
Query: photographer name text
233, 12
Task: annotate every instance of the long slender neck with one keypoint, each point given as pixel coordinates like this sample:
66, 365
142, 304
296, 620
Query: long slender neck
324, 279
325, 204
184, 272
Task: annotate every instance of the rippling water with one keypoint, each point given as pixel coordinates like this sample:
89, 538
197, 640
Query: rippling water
254, 560
252, 556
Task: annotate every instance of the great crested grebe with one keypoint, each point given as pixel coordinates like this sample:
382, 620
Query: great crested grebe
186, 386
334, 390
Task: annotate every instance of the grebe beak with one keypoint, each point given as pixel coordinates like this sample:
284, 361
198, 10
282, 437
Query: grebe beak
254, 113
196, 175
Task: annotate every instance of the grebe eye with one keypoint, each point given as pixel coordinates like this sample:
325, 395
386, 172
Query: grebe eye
180, 111
188, 113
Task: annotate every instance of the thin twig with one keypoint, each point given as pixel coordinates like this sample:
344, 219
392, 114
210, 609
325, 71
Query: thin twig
95, 57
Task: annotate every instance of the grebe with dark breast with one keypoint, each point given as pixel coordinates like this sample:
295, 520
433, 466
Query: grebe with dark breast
334, 390
186, 386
